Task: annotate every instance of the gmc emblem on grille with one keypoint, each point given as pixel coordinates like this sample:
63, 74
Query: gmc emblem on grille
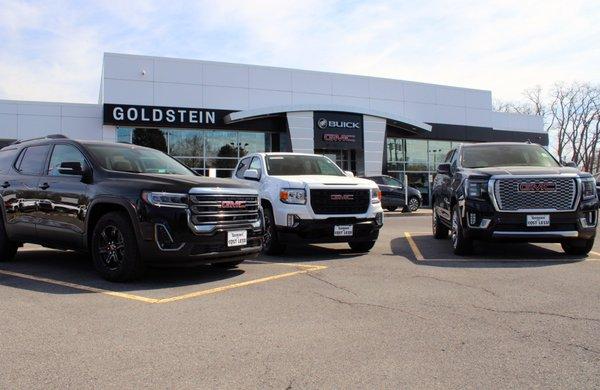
542, 186
342, 197
233, 204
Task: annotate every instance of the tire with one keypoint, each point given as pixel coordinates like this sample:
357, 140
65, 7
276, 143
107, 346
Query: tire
361, 246
227, 264
391, 208
440, 231
412, 206
578, 247
114, 249
460, 244
271, 244
8, 249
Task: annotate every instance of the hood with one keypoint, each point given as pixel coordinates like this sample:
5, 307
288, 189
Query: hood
324, 180
492, 171
179, 183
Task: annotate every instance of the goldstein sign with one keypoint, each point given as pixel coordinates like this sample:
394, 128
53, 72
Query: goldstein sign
156, 116
338, 130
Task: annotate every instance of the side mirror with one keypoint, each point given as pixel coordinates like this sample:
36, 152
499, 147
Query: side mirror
570, 164
349, 173
252, 174
73, 168
443, 169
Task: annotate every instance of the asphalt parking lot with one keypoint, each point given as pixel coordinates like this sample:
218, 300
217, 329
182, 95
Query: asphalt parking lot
408, 314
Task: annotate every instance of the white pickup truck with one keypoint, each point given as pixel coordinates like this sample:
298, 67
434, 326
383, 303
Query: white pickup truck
308, 198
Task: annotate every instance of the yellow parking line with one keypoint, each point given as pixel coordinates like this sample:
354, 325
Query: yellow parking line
414, 247
80, 287
238, 285
305, 268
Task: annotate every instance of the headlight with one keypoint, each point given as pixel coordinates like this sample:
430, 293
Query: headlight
375, 195
293, 195
165, 199
589, 188
476, 188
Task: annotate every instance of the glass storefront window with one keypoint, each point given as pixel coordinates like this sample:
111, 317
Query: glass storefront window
152, 138
250, 142
221, 144
124, 134
395, 150
186, 143
437, 153
416, 155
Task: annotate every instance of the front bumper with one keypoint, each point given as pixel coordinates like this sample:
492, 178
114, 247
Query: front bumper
168, 239
482, 222
322, 230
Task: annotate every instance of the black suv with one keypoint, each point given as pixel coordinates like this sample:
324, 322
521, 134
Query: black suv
127, 205
513, 191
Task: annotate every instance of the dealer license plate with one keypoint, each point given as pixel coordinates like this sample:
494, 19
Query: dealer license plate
343, 230
237, 238
538, 220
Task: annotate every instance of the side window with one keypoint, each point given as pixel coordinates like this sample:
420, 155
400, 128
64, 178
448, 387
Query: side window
64, 153
392, 182
256, 164
454, 161
7, 156
242, 166
377, 179
32, 159
449, 156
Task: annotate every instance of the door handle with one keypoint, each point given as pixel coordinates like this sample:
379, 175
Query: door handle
5, 184
44, 186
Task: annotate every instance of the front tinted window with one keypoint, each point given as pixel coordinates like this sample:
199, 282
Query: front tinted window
61, 154
390, 181
242, 166
293, 165
32, 160
482, 156
136, 160
7, 156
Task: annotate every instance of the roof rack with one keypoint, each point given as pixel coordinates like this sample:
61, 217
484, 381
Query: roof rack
51, 136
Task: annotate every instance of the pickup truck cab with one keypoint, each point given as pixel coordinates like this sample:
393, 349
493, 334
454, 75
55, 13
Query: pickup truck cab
513, 192
307, 197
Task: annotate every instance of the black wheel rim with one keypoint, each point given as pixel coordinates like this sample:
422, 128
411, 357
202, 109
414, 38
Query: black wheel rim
413, 204
111, 247
268, 238
455, 230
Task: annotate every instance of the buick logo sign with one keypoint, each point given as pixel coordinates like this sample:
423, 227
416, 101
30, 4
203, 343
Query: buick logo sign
322, 123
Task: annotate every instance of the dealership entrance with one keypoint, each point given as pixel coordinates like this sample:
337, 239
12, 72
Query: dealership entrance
345, 159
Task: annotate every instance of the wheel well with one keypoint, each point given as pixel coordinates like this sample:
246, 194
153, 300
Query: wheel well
265, 203
98, 210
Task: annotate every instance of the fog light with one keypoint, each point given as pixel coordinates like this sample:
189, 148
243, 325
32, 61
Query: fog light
472, 219
292, 220
589, 219
379, 219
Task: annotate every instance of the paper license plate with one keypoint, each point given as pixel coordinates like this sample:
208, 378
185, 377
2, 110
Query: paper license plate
237, 238
343, 230
538, 220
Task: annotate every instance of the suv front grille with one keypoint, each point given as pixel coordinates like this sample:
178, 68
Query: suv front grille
223, 210
340, 201
551, 193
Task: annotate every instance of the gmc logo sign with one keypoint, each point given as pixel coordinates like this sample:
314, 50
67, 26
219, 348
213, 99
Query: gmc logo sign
542, 186
233, 204
339, 138
342, 197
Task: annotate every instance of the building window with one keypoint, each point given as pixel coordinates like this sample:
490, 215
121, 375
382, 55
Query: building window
200, 149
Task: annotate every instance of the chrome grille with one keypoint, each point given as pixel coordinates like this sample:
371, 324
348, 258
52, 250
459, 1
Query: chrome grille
223, 210
510, 196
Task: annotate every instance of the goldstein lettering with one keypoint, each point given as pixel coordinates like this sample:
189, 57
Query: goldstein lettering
158, 115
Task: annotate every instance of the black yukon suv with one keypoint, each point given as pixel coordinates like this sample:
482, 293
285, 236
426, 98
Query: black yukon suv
513, 192
128, 206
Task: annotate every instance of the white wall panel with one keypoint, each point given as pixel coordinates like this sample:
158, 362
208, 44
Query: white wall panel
31, 126
300, 125
269, 78
39, 109
347, 85
420, 111
391, 106
450, 96
8, 126
419, 93
311, 82
81, 110
350, 101
179, 95
228, 75
478, 99
128, 92
308, 98
374, 130
264, 98
477, 117
386, 89
450, 115
128, 67
226, 98
82, 128
7, 107
177, 71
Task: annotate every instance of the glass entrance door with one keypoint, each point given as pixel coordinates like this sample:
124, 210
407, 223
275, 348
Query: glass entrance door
345, 159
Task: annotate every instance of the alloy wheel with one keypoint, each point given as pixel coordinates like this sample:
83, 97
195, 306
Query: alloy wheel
111, 247
413, 204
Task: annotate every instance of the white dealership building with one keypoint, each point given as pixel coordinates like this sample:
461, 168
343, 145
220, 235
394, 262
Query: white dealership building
208, 114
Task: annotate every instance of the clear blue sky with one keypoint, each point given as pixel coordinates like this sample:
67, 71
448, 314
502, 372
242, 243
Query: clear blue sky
52, 50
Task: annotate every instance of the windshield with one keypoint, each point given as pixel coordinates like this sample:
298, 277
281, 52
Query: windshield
136, 160
483, 156
293, 165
